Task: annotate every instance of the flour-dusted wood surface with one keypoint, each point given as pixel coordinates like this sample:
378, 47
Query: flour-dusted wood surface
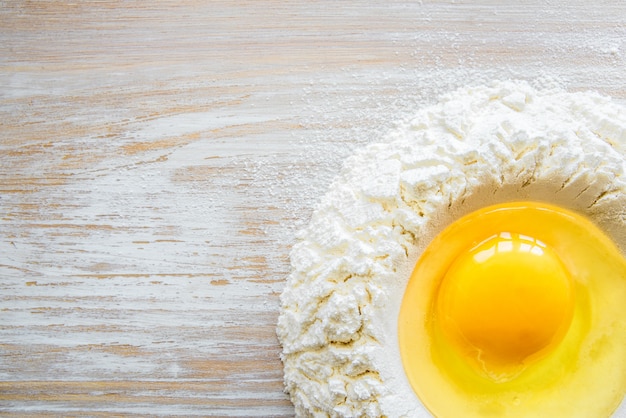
158, 158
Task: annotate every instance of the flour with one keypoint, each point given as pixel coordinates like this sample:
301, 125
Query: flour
478, 146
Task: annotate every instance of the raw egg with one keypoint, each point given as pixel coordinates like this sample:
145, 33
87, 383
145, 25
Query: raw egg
517, 310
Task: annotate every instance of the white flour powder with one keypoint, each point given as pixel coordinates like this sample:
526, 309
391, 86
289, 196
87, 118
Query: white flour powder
477, 147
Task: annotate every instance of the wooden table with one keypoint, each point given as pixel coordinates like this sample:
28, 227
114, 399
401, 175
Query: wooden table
158, 158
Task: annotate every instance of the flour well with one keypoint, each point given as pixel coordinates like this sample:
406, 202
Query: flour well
478, 146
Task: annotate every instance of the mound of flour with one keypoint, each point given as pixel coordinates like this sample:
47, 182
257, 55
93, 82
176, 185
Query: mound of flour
478, 146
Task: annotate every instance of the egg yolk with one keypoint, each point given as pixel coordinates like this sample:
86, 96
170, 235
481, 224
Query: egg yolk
504, 301
517, 310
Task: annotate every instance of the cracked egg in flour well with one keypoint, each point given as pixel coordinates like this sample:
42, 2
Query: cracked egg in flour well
469, 265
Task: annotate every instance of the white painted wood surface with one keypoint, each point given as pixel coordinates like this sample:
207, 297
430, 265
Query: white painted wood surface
157, 159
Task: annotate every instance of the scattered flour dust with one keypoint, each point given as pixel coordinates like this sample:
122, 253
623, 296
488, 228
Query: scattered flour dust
478, 146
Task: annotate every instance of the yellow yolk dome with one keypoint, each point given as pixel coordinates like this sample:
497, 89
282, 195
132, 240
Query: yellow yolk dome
503, 323
503, 301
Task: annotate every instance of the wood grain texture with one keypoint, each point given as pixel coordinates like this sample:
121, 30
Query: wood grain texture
157, 159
